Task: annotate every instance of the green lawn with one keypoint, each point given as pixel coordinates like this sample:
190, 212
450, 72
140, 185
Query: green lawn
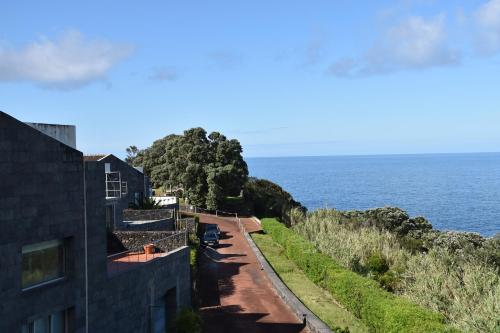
316, 299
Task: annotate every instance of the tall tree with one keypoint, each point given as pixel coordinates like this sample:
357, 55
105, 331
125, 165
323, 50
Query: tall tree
132, 152
208, 168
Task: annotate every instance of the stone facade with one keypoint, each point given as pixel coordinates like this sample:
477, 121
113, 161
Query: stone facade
127, 300
137, 188
41, 199
48, 193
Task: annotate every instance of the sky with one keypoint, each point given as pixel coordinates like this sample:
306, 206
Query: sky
286, 78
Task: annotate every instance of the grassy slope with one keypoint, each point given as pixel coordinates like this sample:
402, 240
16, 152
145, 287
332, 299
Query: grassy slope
316, 299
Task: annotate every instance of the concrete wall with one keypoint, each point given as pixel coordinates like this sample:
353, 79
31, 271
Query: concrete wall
63, 133
125, 302
41, 199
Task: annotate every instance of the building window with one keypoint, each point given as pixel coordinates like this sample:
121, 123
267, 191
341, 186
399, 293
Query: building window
42, 263
113, 185
59, 322
124, 188
110, 217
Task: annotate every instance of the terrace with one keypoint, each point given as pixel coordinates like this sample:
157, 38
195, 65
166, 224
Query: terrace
130, 249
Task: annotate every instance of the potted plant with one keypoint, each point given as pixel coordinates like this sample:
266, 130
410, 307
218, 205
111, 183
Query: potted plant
149, 249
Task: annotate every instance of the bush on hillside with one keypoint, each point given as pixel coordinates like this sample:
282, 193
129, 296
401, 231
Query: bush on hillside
457, 274
378, 309
270, 200
392, 219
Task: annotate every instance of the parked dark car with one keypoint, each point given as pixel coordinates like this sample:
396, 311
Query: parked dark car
210, 238
212, 228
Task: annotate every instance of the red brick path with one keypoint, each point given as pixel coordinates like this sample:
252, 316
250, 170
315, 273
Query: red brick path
236, 296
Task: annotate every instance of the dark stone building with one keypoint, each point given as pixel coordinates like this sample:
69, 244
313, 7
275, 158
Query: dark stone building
55, 272
42, 231
125, 187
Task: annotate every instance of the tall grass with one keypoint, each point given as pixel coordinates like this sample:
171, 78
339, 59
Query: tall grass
466, 292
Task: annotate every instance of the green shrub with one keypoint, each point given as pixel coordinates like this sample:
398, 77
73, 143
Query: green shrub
188, 321
269, 200
389, 280
377, 264
378, 309
456, 274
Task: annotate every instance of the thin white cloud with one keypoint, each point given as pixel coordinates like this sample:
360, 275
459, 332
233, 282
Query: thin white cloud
316, 48
487, 18
343, 67
224, 60
70, 61
164, 74
413, 44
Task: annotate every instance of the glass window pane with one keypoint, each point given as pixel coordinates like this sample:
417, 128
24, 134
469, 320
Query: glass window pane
41, 325
57, 323
25, 328
42, 262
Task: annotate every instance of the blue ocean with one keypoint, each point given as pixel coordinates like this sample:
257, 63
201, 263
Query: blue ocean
453, 191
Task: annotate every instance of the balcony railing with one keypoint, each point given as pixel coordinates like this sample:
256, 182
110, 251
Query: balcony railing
138, 255
165, 201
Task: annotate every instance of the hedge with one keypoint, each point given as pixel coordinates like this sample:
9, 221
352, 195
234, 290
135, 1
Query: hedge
380, 310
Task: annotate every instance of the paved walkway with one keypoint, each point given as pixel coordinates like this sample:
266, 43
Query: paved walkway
235, 294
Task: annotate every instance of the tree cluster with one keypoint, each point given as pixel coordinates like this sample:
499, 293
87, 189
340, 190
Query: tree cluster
271, 200
207, 168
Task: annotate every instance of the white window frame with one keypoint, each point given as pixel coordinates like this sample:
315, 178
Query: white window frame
41, 246
124, 188
113, 185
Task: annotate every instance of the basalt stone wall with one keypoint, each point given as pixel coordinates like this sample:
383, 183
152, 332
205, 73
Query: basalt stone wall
188, 224
164, 241
160, 225
41, 199
147, 215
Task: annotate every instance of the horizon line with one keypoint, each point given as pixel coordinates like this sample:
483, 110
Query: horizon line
375, 154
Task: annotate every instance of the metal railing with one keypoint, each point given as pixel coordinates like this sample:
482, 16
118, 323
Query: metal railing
165, 200
220, 213
199, 210
166, 245
187, 223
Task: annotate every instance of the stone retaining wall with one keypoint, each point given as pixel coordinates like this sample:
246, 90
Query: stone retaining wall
313, 322
164, 241
160, 225
187, 223
147, 215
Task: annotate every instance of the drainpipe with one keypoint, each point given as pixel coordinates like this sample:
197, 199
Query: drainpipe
86, 250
